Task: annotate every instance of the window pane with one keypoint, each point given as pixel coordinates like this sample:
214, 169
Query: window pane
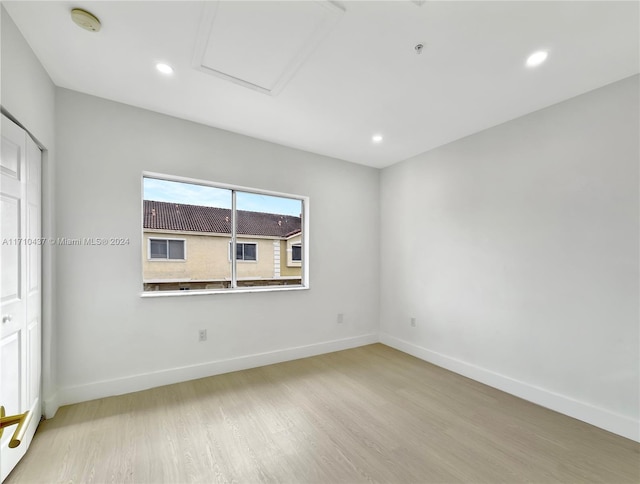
296, 252
200, 216
176, 249
249, 251
268, 226
158, 249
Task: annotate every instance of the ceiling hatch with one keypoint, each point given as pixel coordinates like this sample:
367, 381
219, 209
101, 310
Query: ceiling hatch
261, 45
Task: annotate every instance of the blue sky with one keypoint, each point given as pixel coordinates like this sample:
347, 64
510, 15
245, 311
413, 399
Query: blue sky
178, 192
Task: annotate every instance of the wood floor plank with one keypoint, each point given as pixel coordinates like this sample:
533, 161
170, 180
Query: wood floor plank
370, 414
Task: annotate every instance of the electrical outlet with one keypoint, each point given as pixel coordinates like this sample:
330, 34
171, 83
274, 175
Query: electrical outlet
202, 335
340, 318
413, 322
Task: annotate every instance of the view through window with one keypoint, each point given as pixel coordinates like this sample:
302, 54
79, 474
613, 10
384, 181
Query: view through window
207, 237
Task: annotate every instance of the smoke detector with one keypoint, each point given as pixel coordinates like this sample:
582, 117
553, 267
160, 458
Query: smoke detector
86, 20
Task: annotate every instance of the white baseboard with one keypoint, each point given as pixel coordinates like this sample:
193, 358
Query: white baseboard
50, 405
599, 417
618, 424
135, 383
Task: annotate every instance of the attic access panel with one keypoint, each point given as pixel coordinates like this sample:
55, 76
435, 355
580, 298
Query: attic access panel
261, 45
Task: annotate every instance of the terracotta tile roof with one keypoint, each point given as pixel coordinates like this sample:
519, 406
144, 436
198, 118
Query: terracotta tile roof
197, 218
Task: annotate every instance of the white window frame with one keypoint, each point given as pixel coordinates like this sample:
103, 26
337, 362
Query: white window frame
304, 267
290, 261
153, 259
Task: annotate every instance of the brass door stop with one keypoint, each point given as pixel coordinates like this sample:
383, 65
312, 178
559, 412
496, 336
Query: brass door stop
22, 420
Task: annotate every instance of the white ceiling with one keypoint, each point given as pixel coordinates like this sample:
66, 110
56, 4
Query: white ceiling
356, 76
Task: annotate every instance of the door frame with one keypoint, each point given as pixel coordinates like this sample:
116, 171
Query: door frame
48, 388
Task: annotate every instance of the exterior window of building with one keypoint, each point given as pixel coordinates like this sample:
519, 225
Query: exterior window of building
267, 229
296, 252
246, 251
166, 249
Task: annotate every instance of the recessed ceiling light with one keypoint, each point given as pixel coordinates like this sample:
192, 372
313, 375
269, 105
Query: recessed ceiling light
376, 138
537, 58
164, 68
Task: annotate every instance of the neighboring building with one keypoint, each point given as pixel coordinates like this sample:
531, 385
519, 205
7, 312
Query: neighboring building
189, 247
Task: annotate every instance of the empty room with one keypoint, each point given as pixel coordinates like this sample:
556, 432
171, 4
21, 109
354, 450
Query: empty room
320, 241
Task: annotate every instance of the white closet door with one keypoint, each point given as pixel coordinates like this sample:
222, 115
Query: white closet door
20, 286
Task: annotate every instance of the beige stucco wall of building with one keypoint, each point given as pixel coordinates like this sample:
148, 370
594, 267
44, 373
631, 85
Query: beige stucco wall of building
289, 268
263, 267
207, 259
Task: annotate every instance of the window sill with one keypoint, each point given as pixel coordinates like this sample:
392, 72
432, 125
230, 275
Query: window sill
201, 292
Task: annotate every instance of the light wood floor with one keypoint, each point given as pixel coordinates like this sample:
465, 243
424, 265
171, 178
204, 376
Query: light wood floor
370, 414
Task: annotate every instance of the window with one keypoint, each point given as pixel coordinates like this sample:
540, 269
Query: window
268, 230
296, 252
245, 251
166, 249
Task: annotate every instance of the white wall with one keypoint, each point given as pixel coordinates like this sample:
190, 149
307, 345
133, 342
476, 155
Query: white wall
28, 95
516, 249
110, 339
